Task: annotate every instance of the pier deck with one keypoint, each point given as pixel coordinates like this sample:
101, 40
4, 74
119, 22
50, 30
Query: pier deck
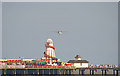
61, 71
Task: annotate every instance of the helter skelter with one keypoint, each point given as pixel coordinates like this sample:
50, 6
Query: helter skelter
49, 54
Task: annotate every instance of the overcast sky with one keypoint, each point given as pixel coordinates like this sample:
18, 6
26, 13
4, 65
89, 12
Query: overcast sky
59, 0
89, 29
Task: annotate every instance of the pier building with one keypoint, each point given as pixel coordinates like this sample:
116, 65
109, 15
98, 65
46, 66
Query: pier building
78, 62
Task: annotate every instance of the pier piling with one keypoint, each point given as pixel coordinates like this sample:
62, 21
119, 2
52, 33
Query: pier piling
92, 72
102, 72
79, 71
105, 72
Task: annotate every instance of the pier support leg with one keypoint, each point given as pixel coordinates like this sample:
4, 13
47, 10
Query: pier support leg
38, 71
117, 72
102, 72
105, 72
79, 71
53, 71
92, 72
70, 72
49, 72
108, 71
15, 72
82, 72
60, 71
3, 71
42, 71
64, 71
113, 72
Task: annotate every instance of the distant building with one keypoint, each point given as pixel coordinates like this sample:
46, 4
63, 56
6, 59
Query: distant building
78, 62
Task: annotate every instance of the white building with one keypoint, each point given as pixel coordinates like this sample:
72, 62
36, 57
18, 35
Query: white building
78, 62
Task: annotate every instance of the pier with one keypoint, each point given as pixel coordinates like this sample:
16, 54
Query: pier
61, 71
50, 65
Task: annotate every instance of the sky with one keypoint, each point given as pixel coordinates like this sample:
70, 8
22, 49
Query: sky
0, 30
90, 29
59, 0
118, 33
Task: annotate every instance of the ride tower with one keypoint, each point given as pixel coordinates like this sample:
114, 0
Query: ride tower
49, 54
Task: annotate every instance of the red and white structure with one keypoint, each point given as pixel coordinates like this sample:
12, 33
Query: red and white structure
49, 54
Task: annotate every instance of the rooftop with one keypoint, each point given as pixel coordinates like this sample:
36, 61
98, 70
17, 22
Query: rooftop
77, 56
77, 61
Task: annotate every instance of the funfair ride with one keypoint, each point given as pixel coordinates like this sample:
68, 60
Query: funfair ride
49, 54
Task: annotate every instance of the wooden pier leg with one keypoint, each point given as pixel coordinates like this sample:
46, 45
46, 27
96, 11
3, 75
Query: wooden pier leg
70, 71
53, 72
105, 72
102, 72
79, 71
15, 71
4, 72
117, 72
49, 72
38, 71
64, 71
24, 71
82, 72
113, 72
108, 71
92, 72
42, 71
60, 71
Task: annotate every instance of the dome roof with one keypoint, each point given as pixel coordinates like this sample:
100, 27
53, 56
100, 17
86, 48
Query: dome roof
77, 56
49, 40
